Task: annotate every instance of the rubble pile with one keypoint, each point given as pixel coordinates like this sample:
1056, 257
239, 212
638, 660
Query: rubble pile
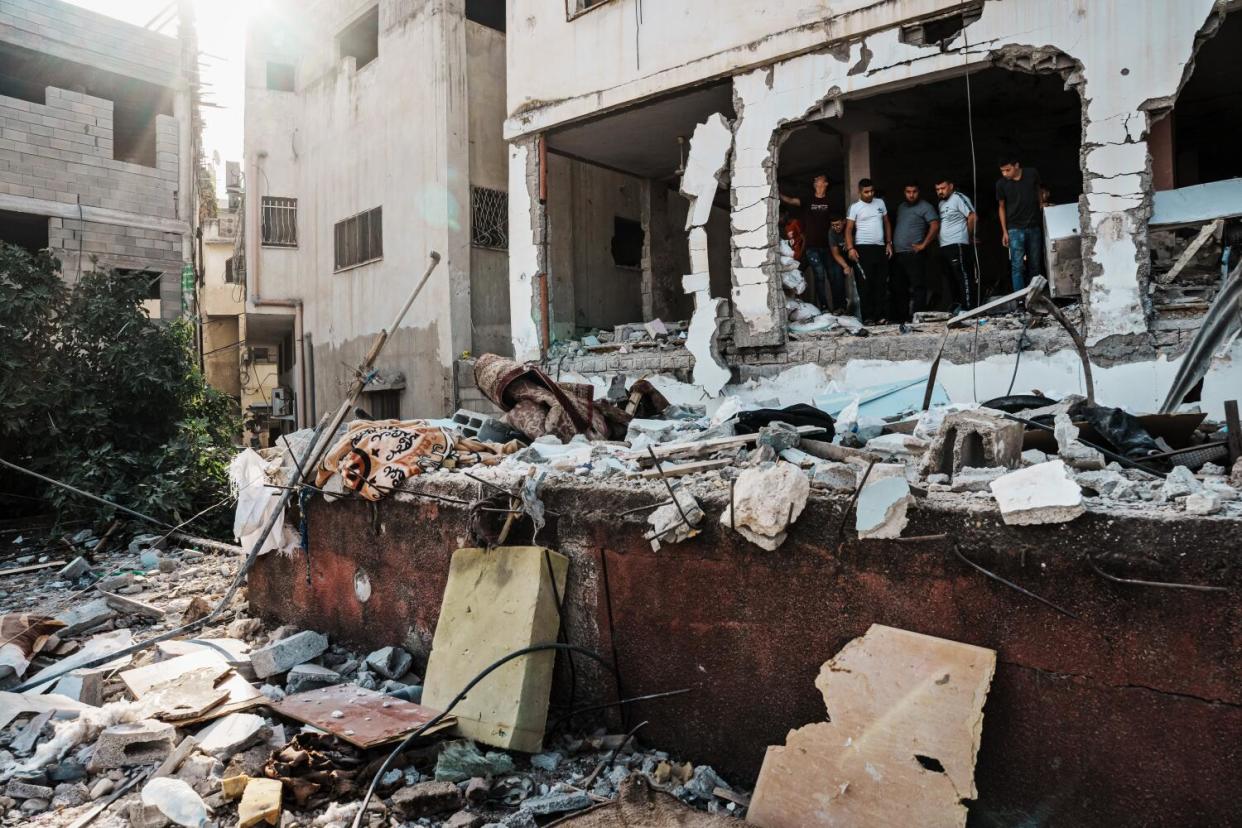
194, 732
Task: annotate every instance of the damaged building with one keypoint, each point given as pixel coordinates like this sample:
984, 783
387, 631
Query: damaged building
646, 164
96, 160
353, 175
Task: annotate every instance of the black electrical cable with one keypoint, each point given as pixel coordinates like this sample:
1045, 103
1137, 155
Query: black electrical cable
405, 743
1018, 359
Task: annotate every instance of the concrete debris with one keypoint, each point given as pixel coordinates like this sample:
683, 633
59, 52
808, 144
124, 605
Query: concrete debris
461, 760
390, 662
766, 502
883, 503
132, 743
905, 715
281, 656
1074, 453
557, 803
970, 479
1038, 494
978, 438
310, 677
667, 522
1179, 483
1203, 503
75, 569
427, 799
232, 734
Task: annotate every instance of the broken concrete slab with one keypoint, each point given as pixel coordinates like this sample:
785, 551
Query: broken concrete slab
970, 479
1074, 453
260, 802
427, 799
905, 717
979, 438
497, 601
75, 569
85, 617
883, 503
390, 662
231, 734
280, 656
310, 677
1038, 494
766, 502
128, 605
1203, 503
132, 743
1179, 483
667, 522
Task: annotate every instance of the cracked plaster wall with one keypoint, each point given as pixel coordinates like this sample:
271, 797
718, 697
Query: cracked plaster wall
1127, 57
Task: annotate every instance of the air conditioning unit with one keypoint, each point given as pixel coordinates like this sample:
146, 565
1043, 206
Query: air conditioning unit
282, 401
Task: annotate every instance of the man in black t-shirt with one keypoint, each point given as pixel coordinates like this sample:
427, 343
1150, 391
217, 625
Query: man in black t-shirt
1021, 220
816, 229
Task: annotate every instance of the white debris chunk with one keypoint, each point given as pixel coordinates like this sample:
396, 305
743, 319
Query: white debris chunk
883, 503
1044, 493
766, 501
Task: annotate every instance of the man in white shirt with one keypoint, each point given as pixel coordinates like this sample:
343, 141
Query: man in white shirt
869, 243
957, 239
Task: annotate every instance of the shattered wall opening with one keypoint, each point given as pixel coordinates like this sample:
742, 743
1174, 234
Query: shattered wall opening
920, 134
1208, 109
618, 226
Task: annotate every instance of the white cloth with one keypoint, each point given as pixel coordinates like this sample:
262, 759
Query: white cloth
868, 218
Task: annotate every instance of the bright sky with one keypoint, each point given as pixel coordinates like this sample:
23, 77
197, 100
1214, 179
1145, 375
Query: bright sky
222, 42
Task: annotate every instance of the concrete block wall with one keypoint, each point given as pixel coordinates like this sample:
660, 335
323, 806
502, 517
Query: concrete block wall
62, 150
110, 245
73, 33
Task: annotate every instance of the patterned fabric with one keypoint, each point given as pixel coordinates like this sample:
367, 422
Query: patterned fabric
375, 457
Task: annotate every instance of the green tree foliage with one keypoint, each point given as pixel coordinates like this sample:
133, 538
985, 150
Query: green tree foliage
96, 394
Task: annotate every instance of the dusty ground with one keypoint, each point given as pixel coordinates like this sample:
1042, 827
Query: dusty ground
575, 768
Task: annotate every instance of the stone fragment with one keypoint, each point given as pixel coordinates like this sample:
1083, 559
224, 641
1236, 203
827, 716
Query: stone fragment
67, 770
310, 677
231, 787
244, 628
1033, 457
34, 806
85, 686
905, 715
461, 759
84, 617
780, 436
545, 761
557, 803
464, 819
427, 799
970, 479
1038, 494
497, 601
835, 477
978, 438
1203, 503
1222, 490
883, 503
390, 662
280, 656
1105, 482
1180, 482
666, 522
24, 790
233, 733
1235, 475
69, 795
75, 569
477, 790
102, 787
260, 803
1072, 452
766, 502
132, 743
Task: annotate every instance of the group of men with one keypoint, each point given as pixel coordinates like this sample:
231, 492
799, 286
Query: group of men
888, 263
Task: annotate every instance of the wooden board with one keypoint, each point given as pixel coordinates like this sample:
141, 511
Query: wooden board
31, 568
680, 469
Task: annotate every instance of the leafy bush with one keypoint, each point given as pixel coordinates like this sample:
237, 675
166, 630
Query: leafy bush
96, 394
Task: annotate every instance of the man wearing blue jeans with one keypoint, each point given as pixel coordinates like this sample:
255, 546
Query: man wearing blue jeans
1021, 220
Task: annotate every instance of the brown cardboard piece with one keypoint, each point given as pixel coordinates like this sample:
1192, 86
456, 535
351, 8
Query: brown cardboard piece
906, 716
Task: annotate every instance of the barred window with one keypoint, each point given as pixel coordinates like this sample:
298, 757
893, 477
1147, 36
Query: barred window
280, 222
359, 239
489, 218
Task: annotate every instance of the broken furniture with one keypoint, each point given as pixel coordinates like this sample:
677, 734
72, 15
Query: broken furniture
905, 718
497, 601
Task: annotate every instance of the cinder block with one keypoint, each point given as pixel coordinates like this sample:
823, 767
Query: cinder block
980, 439
497, 601
135, 743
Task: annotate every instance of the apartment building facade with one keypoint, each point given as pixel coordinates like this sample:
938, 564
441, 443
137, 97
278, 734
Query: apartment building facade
1115, 103
373, 137
95, 153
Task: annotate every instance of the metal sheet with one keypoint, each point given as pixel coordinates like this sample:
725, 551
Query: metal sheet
368, 718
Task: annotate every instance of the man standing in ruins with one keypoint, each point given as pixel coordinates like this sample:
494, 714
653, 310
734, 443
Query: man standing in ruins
957, 241
1021, 220
868, 241
816, 230
915, 230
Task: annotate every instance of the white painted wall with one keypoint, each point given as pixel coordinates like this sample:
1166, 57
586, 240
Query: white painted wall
395, 134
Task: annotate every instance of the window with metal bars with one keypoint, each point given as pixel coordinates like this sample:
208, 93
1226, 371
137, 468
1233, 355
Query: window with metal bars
280, 222
489, 218
359, 239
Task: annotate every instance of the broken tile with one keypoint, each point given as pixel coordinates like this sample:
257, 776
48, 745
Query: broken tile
905, 714
231, 734
497, 601
1038, 494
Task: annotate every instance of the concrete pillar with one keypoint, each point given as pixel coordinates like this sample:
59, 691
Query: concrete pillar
857, 162
1161, 147
527, 252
